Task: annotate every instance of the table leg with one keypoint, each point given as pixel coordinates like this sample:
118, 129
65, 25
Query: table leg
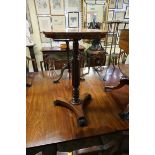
76, 105
60, 76
35, 68
67, 49
66, 66
75, 72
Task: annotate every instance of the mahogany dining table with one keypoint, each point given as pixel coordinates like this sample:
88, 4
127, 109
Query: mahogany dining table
51, 128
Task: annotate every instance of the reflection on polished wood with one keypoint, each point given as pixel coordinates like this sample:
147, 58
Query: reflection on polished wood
47, 124
118, 84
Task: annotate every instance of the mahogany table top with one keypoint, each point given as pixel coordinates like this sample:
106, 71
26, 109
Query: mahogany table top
48, 124
77, 34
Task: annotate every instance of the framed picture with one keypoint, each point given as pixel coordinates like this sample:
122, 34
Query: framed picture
44, 23
102, 2
110, 15
90, 2
58, 23
112, 4
119, 15
73, 19
44, 39
126, 1
57, 7
42, 7
127, 12
71, 5
120, 4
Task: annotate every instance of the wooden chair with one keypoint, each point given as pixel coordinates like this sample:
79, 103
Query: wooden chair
124, 80
49, 62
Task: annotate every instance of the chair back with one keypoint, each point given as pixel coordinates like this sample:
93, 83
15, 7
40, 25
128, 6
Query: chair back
124, 40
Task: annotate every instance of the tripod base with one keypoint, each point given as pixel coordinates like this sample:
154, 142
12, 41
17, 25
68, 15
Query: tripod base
61, 74
77, 108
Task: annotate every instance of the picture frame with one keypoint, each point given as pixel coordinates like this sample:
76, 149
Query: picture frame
110, 15
42, 7
44, 39
73, 19
112, 4
100, 2
44, 23
126, 1
119, 15
71, 5
58, 23
90, 2
57, 7
127, 13
120, 4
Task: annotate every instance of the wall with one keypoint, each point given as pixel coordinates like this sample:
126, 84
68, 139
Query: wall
35, 34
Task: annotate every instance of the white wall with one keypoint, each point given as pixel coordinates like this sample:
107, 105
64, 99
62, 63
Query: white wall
35, 34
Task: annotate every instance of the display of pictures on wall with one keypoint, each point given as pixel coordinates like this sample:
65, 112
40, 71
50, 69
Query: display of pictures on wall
110, 15
111, 39
100, 2
71, 5
127, 12
44, 39
58, 23
44, 23
112, 4
57, 7
120, 4
126, 1
73, 19
119, 15
42, 7
90, 2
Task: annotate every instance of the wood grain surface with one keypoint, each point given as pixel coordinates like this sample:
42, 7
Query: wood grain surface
48, 124
78, 34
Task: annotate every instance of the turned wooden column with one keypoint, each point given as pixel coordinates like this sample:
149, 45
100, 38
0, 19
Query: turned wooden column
75, 72
67, 49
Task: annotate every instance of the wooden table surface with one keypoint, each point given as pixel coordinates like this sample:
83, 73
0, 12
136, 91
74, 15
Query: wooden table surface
58, 49
77, 34
49, 124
